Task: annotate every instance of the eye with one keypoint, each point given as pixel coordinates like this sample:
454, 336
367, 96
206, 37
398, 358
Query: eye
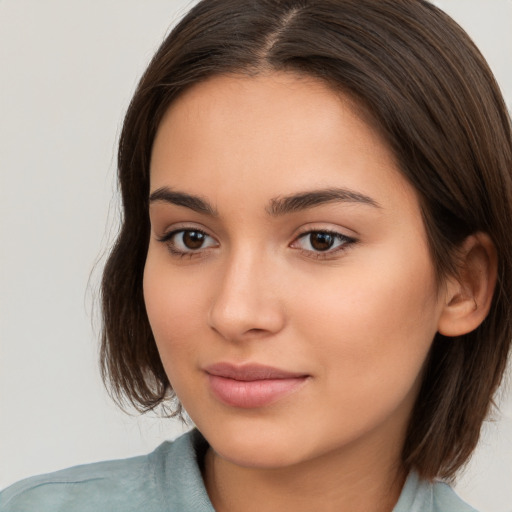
322, 241
187, 241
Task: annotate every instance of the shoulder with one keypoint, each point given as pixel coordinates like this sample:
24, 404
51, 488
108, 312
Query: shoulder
422, 496
139, 483
444, 498
86, 488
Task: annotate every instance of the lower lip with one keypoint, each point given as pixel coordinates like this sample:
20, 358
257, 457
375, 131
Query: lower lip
252, 394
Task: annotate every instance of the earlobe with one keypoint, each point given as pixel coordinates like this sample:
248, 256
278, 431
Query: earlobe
468, 296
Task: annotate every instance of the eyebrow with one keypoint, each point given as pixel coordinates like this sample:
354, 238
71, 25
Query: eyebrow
277, 207
195, 203
304, 200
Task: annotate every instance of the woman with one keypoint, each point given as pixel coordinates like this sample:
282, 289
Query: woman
314, 258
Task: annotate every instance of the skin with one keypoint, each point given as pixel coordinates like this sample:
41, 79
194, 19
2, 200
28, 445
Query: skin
357, 319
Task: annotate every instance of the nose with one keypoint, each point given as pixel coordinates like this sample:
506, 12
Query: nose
246, 302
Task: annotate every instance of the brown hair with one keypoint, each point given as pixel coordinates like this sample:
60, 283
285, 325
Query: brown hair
431, 94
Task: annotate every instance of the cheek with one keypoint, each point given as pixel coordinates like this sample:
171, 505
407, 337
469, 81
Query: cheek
372, 324
172, 307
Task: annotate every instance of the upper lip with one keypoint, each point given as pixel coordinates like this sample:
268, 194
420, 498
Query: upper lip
250, 372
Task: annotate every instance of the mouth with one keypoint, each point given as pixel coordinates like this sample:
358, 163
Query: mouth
252, 385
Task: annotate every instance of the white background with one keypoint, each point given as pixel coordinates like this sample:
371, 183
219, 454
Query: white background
67, 71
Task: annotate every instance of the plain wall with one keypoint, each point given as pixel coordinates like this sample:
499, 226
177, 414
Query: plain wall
67, 72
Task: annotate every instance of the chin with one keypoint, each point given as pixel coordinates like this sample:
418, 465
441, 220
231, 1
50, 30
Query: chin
257, 456
253, 444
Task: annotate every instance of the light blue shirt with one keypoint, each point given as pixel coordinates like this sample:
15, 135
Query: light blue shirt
168, 479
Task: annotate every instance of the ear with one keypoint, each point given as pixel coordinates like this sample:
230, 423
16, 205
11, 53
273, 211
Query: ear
468, 296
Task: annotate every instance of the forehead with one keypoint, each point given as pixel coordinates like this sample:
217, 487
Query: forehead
282, 132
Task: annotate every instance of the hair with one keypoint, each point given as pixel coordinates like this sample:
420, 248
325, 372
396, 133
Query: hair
430, 93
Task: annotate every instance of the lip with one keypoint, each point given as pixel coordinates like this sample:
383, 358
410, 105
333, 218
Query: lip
252, 385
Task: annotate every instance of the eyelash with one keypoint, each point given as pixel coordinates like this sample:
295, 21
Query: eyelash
190, 253
345, 243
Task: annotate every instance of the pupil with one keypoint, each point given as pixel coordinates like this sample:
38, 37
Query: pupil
193, 239
321, 241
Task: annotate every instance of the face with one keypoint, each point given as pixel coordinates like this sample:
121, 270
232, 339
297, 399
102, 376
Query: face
288, 280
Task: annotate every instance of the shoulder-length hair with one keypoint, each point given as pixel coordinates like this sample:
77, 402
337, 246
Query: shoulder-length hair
429, 91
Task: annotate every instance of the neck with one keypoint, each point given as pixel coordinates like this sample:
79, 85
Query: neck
345, 481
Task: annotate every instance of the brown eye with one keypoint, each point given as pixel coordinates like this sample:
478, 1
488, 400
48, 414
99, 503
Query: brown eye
321, 241
188, 241
328, 242
193, 239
